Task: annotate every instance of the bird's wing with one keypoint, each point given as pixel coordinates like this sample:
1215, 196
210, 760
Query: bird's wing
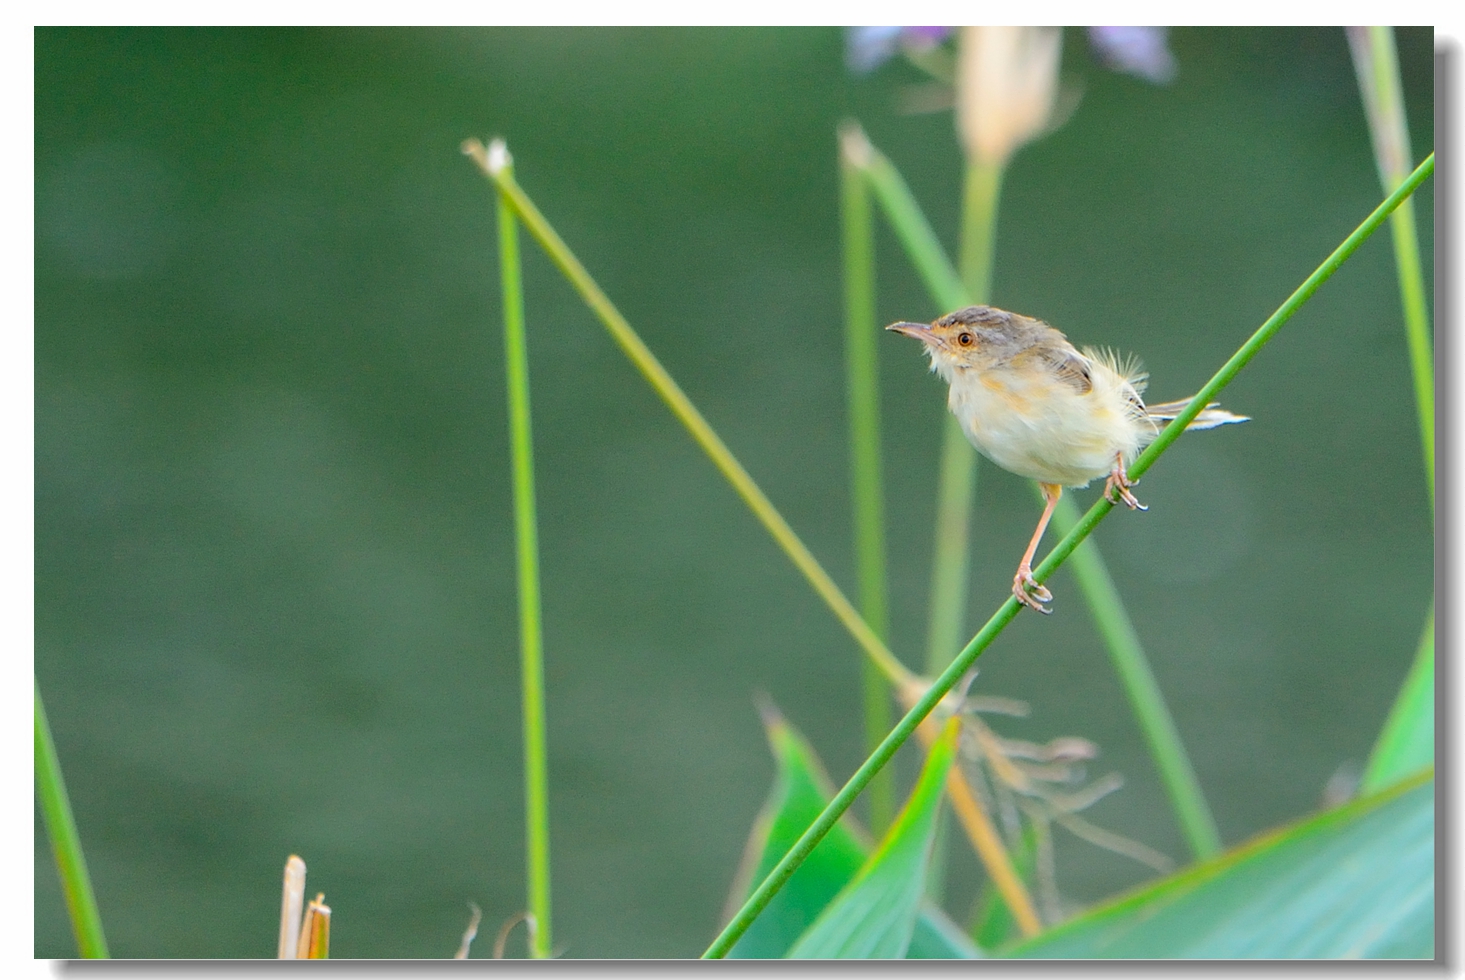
1065, 364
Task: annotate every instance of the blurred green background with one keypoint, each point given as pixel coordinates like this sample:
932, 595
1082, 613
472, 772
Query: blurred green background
274, 590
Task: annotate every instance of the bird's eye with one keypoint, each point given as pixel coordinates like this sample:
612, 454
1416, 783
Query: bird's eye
965, 339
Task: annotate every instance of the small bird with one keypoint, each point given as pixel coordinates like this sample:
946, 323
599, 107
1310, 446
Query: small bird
1037, 406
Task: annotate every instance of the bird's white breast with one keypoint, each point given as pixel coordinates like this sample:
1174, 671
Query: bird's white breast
1037, 427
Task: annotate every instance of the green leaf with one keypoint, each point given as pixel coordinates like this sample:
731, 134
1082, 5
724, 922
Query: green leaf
801, 789
874, 916
1353, 882
1406, 745
938, 938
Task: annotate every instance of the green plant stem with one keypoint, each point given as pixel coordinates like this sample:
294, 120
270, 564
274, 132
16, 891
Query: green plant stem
1110, 615
914, 231
1133, 668
980, 196
1417, 329
1407, 737
951, 566
1301, 295
76, 884
956, 483
1416, 322
760, 897
526, 535
866, 489
957, 473
681, 406
1376, 59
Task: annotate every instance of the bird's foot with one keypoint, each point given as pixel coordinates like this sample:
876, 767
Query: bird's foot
1116, 488
1028, 590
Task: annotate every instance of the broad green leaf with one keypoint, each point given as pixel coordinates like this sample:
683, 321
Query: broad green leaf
874, 916
1406, 745
800, 791
938, 938
1353, 882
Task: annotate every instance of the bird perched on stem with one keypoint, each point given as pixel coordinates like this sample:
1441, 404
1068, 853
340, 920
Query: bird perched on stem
1037, 406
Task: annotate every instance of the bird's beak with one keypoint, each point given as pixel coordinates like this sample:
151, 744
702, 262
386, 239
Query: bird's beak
920, 331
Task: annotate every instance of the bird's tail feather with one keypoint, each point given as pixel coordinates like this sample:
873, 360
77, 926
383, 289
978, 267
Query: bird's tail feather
1210, 416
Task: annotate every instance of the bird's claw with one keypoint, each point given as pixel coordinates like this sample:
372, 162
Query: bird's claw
1116, 488
1030, 592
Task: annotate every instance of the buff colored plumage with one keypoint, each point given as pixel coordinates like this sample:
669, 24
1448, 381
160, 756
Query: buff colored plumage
1037, 406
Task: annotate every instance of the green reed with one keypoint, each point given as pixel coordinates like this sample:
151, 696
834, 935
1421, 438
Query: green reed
76, 884
1377, 62
1402, 744
531, 629
867, 493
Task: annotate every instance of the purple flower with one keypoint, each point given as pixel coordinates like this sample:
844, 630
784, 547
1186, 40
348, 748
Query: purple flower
867, 48
1138, 51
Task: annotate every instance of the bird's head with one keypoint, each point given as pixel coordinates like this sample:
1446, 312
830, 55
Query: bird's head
968, 338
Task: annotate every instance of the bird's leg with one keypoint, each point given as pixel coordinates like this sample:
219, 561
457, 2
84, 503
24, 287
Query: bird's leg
1116, 488
1024, 586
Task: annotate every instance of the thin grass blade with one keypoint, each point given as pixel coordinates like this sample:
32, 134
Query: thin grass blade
867, 492
76, 883
1156, 723
1376, 59
956, 484
526, 537
1407, 741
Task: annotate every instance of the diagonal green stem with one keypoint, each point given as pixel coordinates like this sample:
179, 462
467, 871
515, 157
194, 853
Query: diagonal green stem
1110, 615
681, 406
1135, 674
790, 862
526, 535
866, 488
76, 884
1264, 333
